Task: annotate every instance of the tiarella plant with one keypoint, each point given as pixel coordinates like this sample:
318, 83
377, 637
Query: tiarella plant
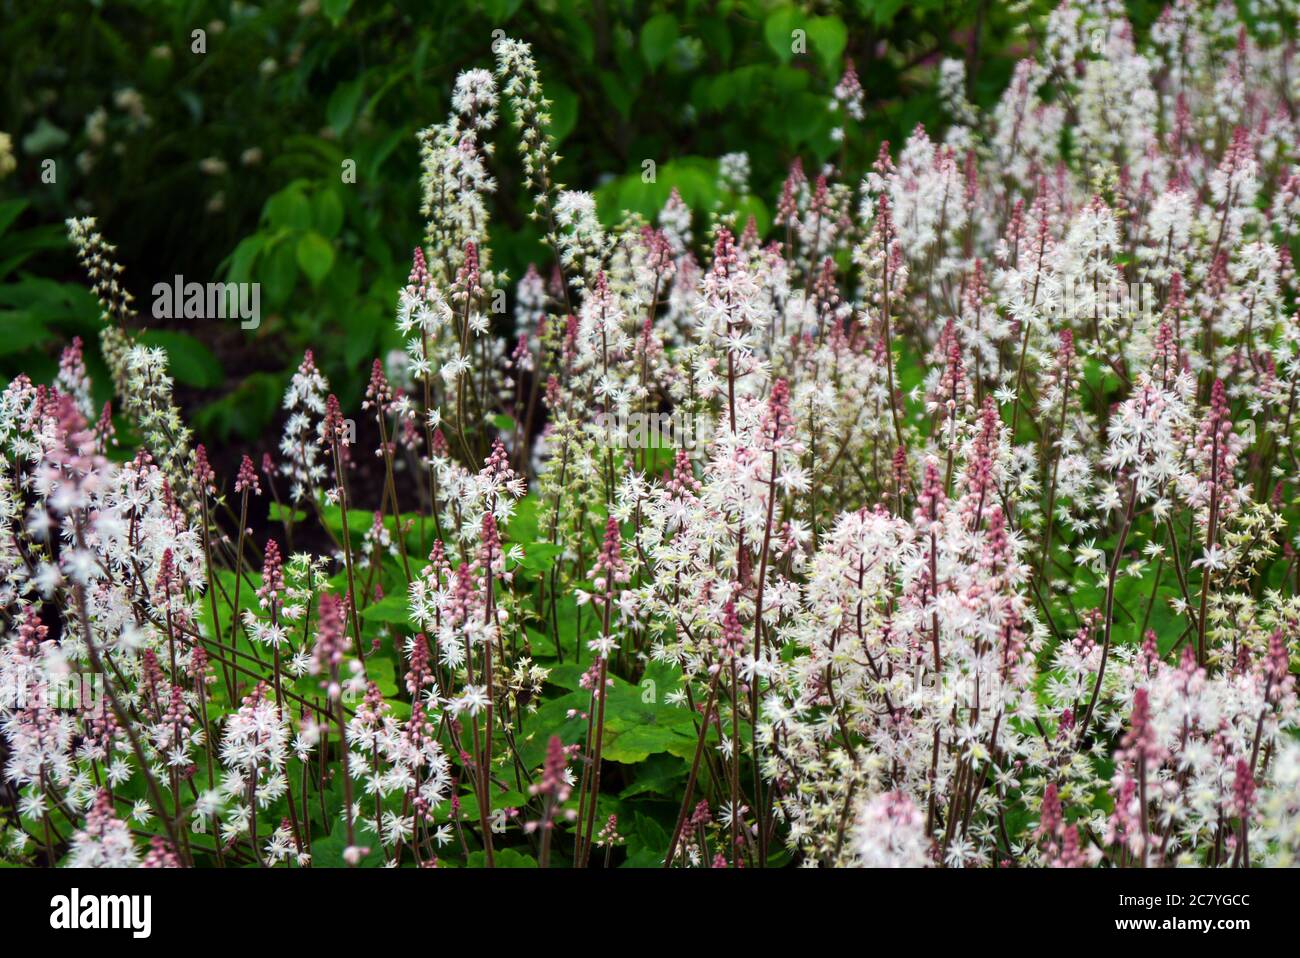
971, 541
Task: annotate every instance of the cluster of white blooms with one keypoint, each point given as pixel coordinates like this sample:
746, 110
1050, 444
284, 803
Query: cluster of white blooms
986, 554
521, 83
1090, 317
580, 235
733, 172
455, 178
300, 446
890, 833
105, 841
111, 549
391, 757
1278, 823
140, 377
254, 747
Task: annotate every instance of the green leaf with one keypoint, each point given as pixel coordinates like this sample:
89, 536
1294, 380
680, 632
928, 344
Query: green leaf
716, 34
578, 36
288, 209
634, 745
552, 718
501, 10
336, 10
805, 114
502, 858
282, 513
639, 722
657, 38
658, 774
247, 410
882, 12
279, 273
328, 852
829, 37
46, 138
327, 211
52, 300
240, 268
391, 608
522, 526
617, 92
22, 331
315, 256
748, 206
342, 106
540, 556
779, 29
361, 326
188, 360
383, 672
647, 842
20, 245
9, 211
564, 109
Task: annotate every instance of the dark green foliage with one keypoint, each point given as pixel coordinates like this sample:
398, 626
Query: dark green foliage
228, 165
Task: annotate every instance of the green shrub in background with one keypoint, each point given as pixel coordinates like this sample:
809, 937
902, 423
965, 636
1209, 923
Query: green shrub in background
275, 143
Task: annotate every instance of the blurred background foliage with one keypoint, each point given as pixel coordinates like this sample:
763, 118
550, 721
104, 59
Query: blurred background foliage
226, 164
